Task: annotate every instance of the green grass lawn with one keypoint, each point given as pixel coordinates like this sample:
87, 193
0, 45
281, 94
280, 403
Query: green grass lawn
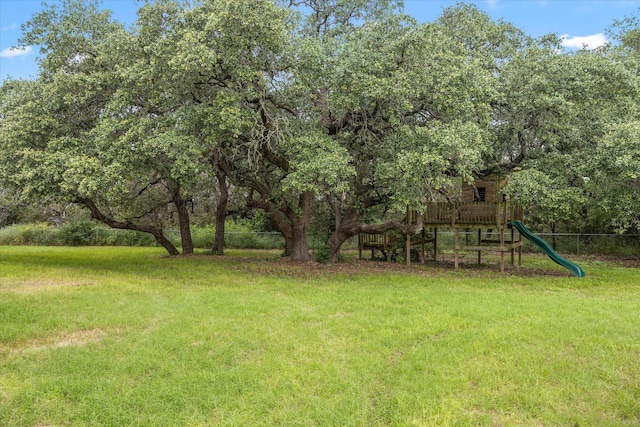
127, 336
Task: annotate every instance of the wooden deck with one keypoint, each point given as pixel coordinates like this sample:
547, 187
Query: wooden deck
471, 214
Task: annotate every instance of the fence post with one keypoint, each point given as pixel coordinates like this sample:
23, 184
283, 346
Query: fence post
578, 244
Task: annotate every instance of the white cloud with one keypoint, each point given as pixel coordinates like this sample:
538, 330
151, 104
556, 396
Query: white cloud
587, 42
12, 52
11, 27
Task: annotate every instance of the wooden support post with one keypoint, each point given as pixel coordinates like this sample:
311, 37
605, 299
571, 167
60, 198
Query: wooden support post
519, 250
456, 240
435, 243
513, 240
479, 244
502, 251
408, 249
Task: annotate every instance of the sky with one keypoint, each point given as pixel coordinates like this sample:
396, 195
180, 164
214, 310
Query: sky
578, 22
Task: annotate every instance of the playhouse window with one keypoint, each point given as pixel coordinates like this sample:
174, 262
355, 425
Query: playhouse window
480, 194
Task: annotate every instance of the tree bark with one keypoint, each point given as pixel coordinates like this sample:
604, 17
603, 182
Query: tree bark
292, 224
341, 234
346, 219
183, 217
294, 228
156, 232
335, 242
221, 213
297, 245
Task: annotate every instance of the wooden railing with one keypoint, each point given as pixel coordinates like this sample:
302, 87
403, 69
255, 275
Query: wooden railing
478, 213
471, 213
440, 213
382, 241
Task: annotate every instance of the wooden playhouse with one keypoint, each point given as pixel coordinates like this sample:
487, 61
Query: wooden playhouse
481, 205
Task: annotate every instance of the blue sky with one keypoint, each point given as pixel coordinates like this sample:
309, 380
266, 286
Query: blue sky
578, 21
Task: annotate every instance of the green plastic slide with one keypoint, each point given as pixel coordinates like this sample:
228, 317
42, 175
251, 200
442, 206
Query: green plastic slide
546, 248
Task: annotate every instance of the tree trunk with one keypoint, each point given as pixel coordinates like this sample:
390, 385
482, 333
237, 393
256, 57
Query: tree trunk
183, 218
156, 232
221, 214
297, 245
335, 242
185, 229
345, 229
292, 224
165, 243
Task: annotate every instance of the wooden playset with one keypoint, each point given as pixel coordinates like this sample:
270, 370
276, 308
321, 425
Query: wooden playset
481, 205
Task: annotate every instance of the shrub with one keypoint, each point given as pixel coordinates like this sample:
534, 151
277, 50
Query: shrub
30, 234
322, 253
78, 233
253, 240
202, 237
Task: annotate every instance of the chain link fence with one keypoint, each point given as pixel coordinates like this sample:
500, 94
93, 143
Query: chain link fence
591, 244
88, 233
565, 243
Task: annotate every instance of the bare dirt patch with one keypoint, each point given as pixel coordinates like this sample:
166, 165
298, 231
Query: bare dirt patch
36, 285
627, 262
63, 339
79, 338
352, 266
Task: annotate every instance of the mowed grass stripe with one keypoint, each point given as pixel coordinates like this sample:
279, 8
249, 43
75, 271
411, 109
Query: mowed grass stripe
127, 336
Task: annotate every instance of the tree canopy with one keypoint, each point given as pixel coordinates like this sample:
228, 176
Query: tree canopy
345, 109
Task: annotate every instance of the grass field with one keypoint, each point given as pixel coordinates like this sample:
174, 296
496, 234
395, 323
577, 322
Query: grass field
127, 336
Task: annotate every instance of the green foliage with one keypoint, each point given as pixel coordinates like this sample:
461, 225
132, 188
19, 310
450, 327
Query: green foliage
351, 104
627, 31
423, 164
322, 253
90, 233
30, 234
550, 201
74, 233
78, 233
614, 170
253, 240
318, 163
